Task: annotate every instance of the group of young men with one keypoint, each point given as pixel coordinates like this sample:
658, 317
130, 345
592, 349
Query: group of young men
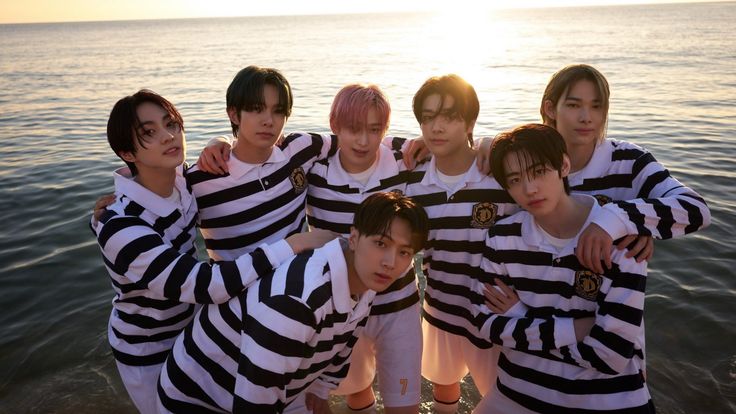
277, 332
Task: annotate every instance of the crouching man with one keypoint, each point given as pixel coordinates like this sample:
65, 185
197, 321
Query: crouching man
282, 344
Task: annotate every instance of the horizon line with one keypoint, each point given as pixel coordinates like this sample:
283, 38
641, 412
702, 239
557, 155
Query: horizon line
378, 12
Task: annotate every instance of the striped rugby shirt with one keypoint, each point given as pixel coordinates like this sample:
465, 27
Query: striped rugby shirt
147, 244
459, 219
600, 374
333, 196
647, 200
256, 203
290, 332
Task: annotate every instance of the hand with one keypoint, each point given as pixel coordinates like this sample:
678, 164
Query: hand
594, 246
483, 157
100, 205
317, 405
643, 249
416, 152
499, 298
582, 327
214, 157
310, 240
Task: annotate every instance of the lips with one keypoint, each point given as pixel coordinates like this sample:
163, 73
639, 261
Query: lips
383, 278
264, 135
172, 151
535, 203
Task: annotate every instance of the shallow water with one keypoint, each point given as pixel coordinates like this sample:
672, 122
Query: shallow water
672, 70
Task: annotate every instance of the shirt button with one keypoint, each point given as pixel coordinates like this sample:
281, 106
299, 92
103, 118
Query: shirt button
265, 182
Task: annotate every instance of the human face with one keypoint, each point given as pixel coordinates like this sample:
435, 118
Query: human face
579, 115
380, 259
165, 145
359, 149
445, 133
259, 129
537, 188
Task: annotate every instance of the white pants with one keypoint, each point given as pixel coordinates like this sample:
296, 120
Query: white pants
392, 345
140, 382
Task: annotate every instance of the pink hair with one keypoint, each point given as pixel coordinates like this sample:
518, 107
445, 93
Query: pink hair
350, 107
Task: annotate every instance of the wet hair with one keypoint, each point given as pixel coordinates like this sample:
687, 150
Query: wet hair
533, 144
465, 100
376, 213
564, 79
245, 92
352, 103
123, 125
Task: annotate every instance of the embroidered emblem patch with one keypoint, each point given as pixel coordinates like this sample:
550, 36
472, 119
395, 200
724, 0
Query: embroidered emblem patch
298, 180
484, 215
587, 284
602, 199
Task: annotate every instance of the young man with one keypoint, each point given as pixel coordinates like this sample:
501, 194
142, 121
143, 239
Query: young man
284, 343
261, 199
147, 241
462, 205
555, 364
391, 341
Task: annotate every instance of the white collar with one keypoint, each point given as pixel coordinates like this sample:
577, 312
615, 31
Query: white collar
339, 278
472, 175
126, 184
239, 168
532, 235
387, 167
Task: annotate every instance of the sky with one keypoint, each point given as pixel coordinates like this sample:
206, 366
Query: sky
34, 11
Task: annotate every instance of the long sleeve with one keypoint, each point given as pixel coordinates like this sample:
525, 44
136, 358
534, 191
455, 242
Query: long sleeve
617, 335
519, 332
139, 258
276, 339
657, 204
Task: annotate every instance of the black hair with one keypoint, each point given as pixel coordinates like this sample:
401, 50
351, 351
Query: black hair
376, 213
123, 124
533, 144
465, 100
245, 92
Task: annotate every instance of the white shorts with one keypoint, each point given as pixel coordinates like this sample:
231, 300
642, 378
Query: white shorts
140, 382
449, 357
392, 344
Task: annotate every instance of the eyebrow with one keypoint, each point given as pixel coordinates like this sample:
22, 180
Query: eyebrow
575, 98
164, 118
529, 168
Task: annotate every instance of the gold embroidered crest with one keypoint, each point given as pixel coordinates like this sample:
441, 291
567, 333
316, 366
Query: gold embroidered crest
587, 284
298, 180
602, 199
484, 215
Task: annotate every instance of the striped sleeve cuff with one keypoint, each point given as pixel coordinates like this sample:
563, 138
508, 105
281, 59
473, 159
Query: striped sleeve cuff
278, 252
564, 332
612, 222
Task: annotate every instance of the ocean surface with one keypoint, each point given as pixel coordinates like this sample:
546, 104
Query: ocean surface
672, 70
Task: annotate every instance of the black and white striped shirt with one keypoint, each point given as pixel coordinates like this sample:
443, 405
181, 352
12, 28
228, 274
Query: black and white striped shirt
647, 200
459, 219
257, 203
290, 332
147, 244
538, 372
333, 196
